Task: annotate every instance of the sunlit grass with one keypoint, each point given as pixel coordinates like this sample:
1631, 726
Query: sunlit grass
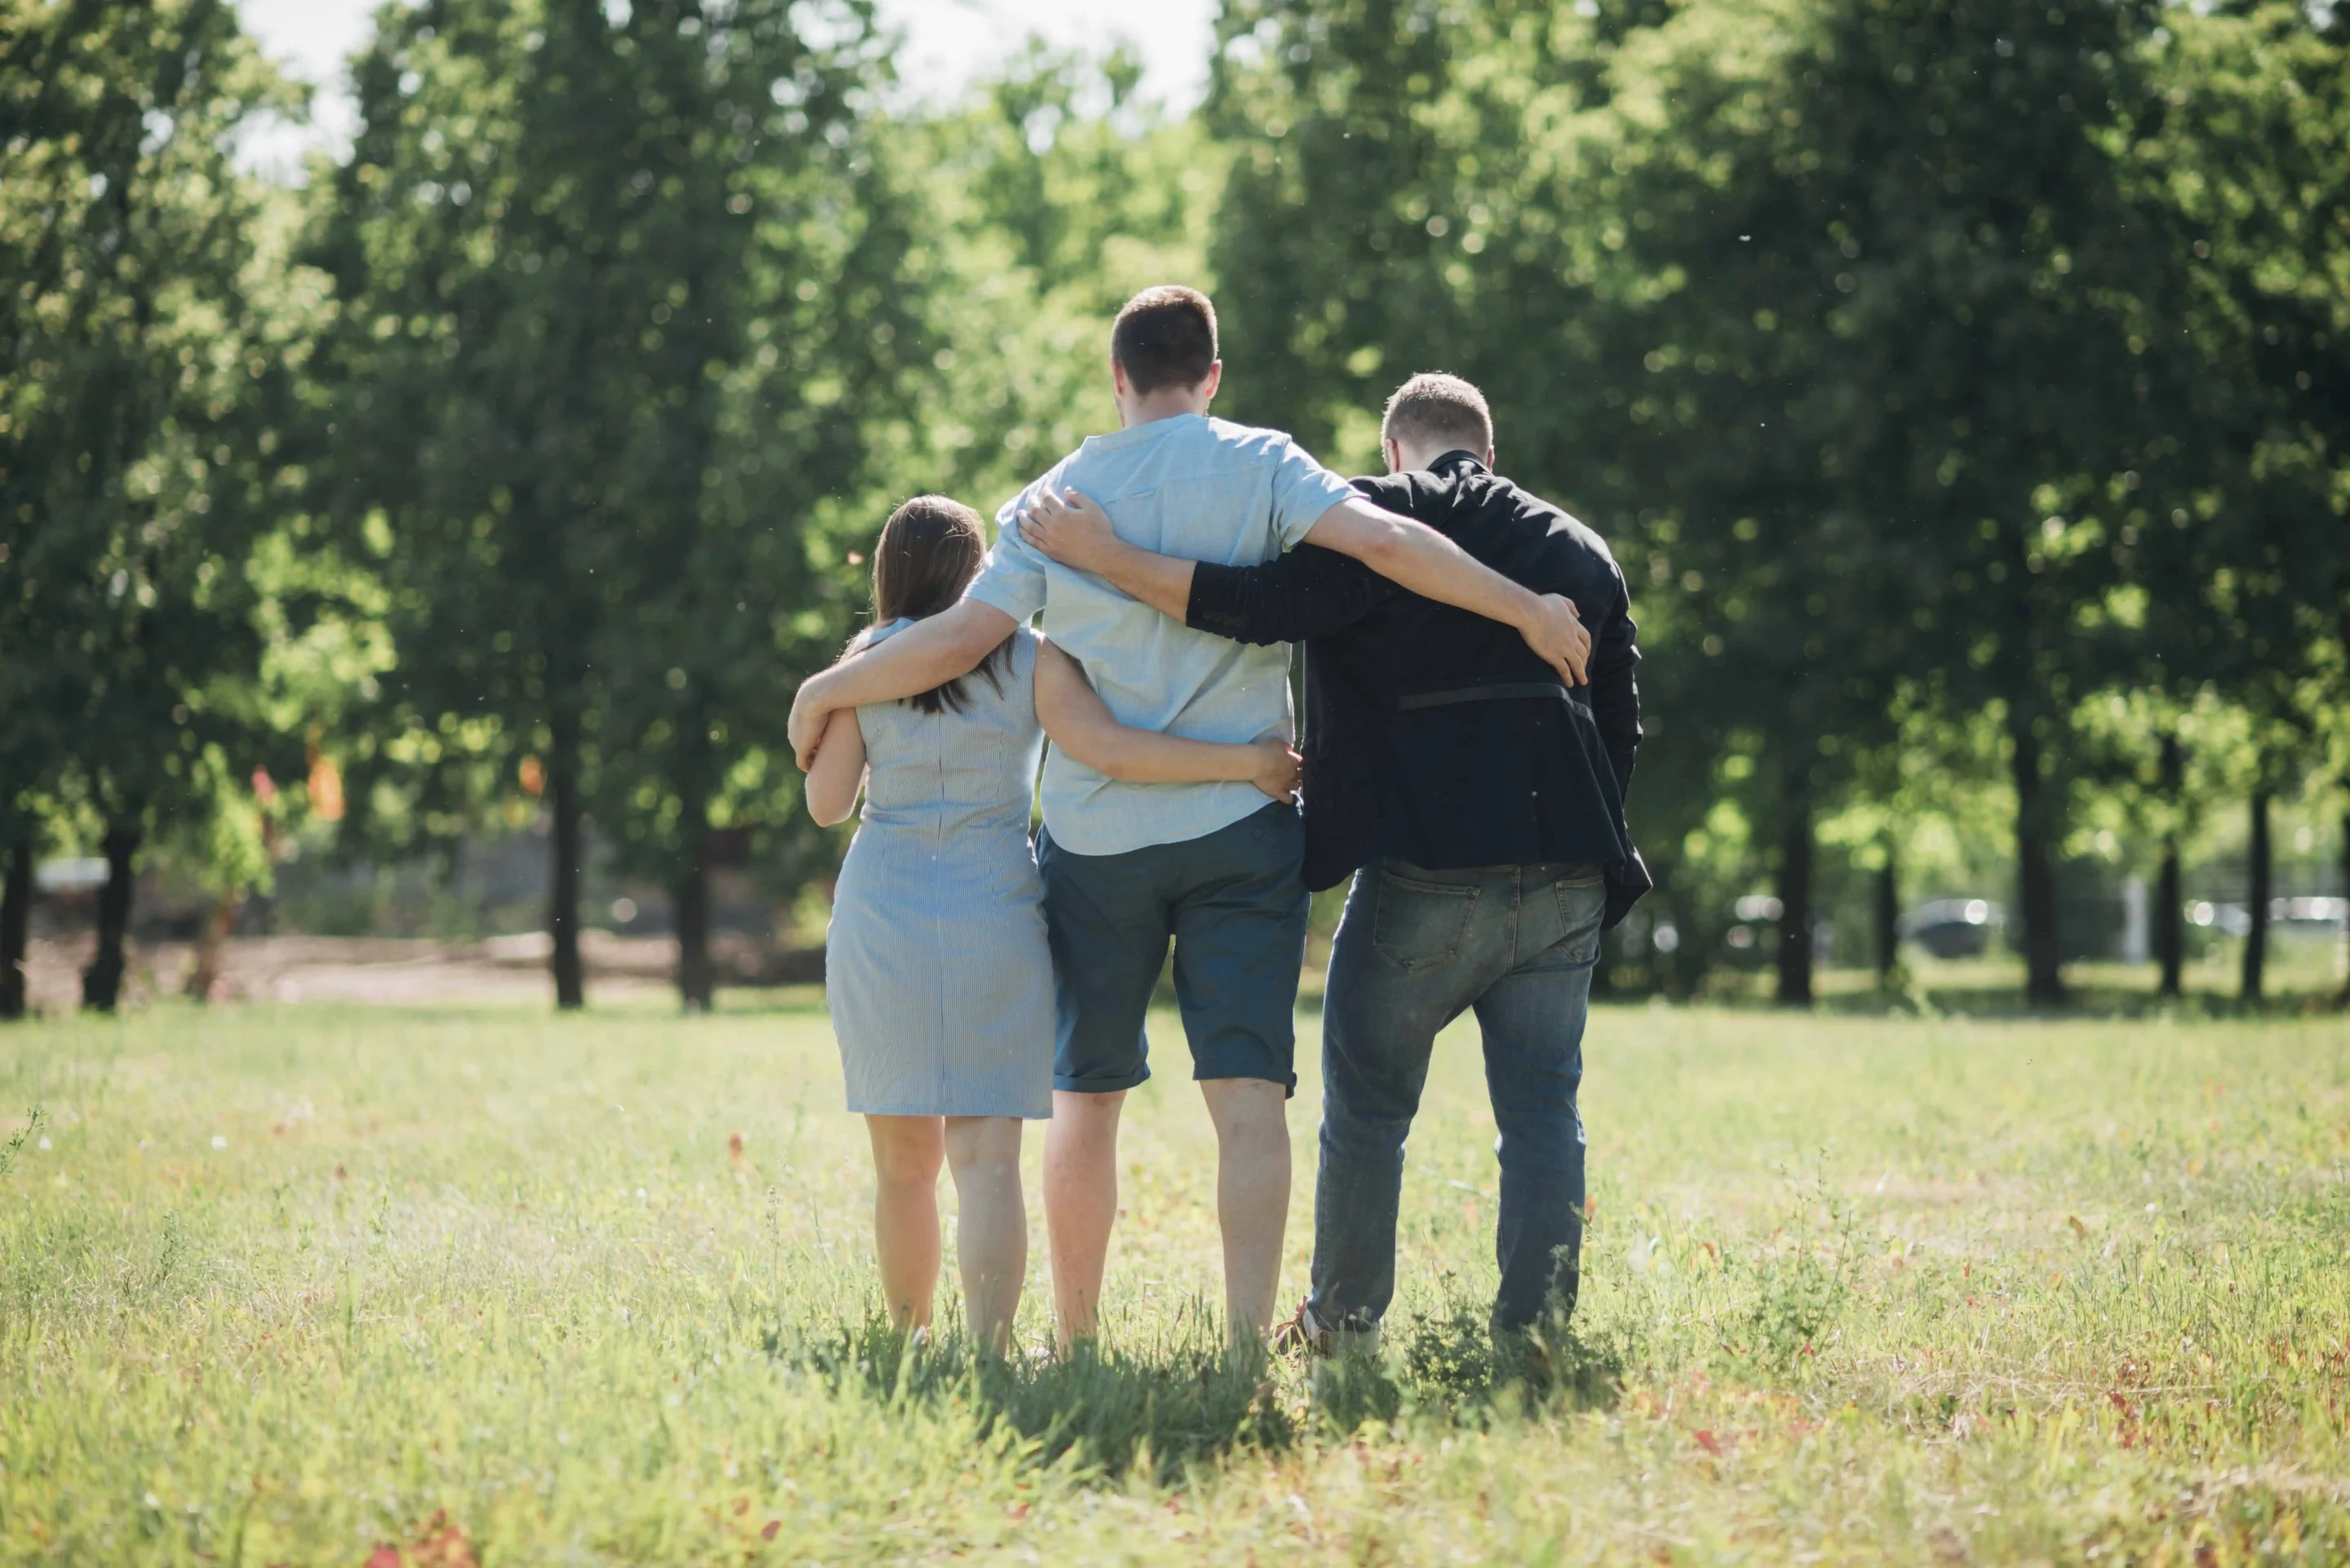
290, 1284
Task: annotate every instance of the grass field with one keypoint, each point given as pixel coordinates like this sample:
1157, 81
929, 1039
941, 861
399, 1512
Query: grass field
298, 1285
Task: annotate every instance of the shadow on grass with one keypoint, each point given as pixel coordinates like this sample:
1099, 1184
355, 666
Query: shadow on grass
1159, 1410
1187, 1399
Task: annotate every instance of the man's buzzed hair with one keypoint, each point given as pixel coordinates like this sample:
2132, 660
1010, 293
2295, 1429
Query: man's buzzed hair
1165, 336
1435, 409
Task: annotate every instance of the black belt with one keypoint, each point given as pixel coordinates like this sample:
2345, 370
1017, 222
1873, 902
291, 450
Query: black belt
1497, 692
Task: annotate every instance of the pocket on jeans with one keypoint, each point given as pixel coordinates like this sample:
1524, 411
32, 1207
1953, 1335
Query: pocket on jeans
1422, 925
1582, 905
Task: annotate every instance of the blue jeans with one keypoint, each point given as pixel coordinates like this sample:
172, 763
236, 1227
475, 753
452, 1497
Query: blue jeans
1415, 949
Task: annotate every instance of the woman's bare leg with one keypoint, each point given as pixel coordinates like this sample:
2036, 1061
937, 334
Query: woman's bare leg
991, 1224
907, 1151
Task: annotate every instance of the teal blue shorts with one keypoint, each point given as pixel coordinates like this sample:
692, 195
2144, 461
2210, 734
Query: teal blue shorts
1233, 903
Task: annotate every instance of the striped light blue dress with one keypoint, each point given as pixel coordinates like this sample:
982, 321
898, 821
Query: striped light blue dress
935, 964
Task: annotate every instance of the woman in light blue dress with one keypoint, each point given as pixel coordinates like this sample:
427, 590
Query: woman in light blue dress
936, 966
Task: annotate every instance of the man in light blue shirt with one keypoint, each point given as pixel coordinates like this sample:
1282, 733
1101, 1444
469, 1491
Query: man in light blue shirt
1230, 494
1210, 866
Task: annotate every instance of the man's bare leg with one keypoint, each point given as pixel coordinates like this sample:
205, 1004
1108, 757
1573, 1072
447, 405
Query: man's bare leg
1080, 1204
1251, 1117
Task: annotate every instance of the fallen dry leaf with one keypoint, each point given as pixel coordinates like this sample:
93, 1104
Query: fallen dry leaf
441, 1544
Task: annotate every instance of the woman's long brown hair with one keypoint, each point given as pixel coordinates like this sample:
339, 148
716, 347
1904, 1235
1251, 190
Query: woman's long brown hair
931, 549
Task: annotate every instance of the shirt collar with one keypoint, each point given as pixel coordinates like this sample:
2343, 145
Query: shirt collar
1134, 435
1460, 459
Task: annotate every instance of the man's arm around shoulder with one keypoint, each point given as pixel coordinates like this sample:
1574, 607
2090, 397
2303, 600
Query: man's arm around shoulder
1415, 557
1309, 592
1268, 606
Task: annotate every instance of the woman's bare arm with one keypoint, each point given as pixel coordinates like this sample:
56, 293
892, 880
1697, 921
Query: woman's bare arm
839, 770
930, 653
1080, 723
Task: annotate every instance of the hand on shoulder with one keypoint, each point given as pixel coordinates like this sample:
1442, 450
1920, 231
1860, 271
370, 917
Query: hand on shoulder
1070, 527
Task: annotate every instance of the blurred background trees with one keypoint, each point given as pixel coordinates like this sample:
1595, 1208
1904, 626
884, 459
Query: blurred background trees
154, 332
1962, 388
622, 296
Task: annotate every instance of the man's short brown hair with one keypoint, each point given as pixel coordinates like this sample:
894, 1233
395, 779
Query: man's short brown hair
1435, 409
1165, 336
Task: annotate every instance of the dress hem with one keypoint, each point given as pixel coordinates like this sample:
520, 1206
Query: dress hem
932, 1108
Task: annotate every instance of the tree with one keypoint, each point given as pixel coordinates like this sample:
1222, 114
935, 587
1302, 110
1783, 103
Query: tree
552, 239
1737, 182
141, 394
782, 386
1987, 407
1822, 311
2250, 169
1415, 189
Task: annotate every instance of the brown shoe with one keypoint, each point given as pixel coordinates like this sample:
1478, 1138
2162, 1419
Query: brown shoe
1301, 1336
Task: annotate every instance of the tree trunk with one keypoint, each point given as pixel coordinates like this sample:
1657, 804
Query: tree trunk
1888, 917
15, 922
2169, 939
697, 980
2043, 982
101, 982
2169, 935
1795, 903
562, 899
205, 977
2343, 1000
2256, 901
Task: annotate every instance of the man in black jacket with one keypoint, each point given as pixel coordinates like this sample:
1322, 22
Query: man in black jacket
1478, 802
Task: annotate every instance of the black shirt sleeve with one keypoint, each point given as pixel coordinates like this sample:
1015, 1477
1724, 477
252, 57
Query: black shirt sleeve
1615, 694
1309, 592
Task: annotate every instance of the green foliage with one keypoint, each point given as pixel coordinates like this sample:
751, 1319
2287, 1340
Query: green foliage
19, 1138
2248, 163
153, 337
1801, 1287
596, 377
1961, 387
1048, 199
1448, 1358
1871, 335
639, 390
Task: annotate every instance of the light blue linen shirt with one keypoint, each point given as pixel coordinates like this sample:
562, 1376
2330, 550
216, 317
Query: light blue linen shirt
1191, 486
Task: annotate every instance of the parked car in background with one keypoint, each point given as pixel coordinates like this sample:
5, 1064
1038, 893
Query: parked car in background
1953, 927
2235, 919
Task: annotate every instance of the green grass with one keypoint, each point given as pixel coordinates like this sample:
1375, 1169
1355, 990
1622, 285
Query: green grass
288, 1284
